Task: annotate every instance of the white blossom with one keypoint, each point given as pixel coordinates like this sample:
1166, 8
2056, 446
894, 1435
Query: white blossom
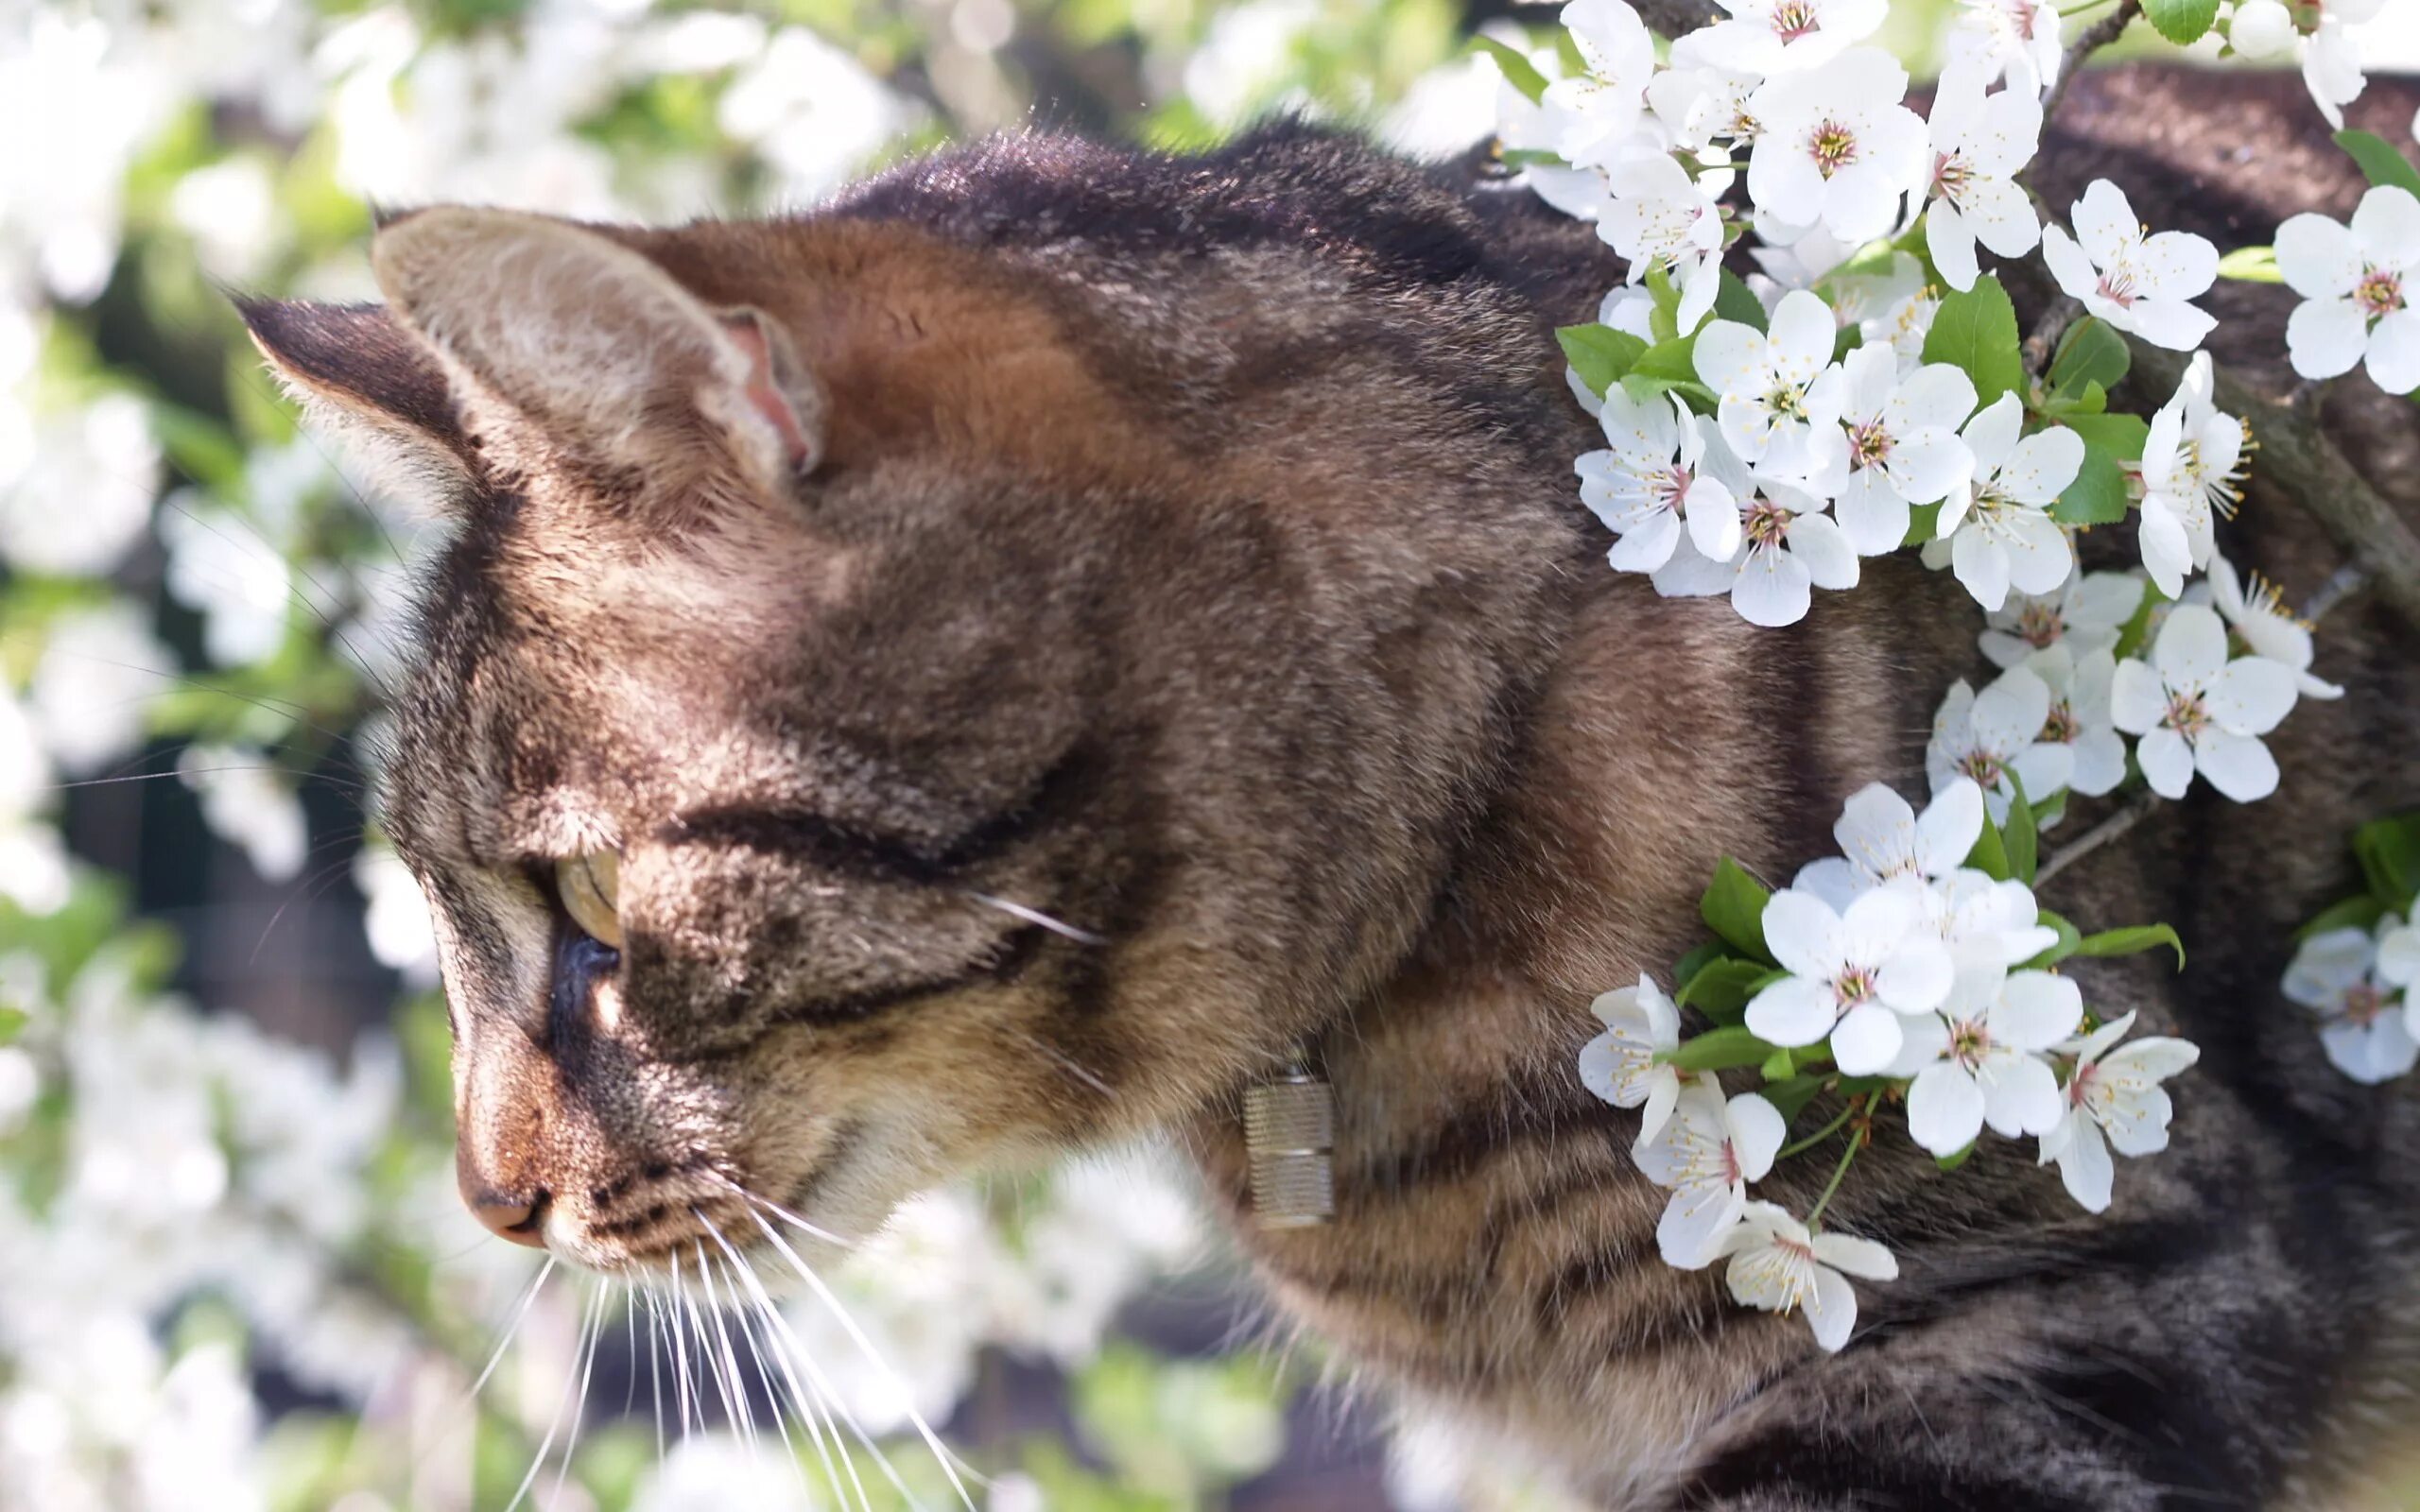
2114, 1100
1993, 735
2080, 716
1984, 1058
1780, 390
1778, 1266
1883, 840
1601, 107
2197, 710
85, 489
2191, 462
1663, 216
1978, 146
1619, 1065
2332, 56
1651, 482
2366, 1023
1998, 524
2261, 29
2085, 614
1903, 444
1786, 36
2136, 282
1986, 921
1699, 100
245, 803
1837, 147
2356, 282
2015, 39
1853, 972
2261, 622
1708, 1152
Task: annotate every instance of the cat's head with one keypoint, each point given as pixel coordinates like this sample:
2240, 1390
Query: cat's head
870, 726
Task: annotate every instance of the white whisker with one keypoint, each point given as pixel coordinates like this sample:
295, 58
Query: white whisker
655, 1366
545, 1445
806, 1403
1035, 916
736, 1391
857, 1337
678, 1325
580, 1404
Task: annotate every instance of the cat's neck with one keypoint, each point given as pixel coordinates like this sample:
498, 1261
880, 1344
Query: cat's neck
1494, 1244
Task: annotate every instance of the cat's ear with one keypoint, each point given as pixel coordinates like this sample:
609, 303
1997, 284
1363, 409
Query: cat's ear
361, 375
600, 350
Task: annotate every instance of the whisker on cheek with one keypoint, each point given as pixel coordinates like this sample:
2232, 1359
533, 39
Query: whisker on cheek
1035, 916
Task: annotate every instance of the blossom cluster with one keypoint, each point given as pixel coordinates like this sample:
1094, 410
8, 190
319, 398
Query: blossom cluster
1914, 971
1863, 389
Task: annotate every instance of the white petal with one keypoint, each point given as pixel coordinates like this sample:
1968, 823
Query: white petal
1952, 822
2042, 465
2167, 761
1801, 336
1804, 934
2325, 338
2394, 352
2039, 557
1945, 1109
1928, 463
1831, 1309
1917, 976
1695, 1222
1773, 588
2104, 222
2373, 1053
1728, 354
1757, 1130
1952, 245
2387, 223
1831, 879
2077, 277
1981, 566
1792, 1012
2177, 265
2192, 646
1866, 1040
2318, 257
1646, 546
1818, 544
2085, 1169
1873, 514
2023, 1097
1713, 518
2167, 552
2036, 1010
2251, 695
2100, 762
2171, 323
2138, 698
1852, 1256
2238, 765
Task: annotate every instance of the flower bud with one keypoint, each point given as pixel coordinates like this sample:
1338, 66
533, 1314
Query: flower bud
2261, 28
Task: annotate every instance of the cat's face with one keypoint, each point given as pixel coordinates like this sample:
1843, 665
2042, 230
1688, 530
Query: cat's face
851, 745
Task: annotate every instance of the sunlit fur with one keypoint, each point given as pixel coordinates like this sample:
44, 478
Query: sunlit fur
1187, 551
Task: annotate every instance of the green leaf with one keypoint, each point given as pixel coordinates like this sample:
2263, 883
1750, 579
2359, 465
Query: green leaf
2182, 22
2070, 937
1600, 353
2019, 837
1531, 158
1676, 359
2121, 435
1778, 1067
1696, 960
1720, 1050
1990, 856
2362, 913
1720, 988
1976, 330
2138, 627
1733, 908
2090, 352
2252, 265
1518, 70
1664, 320
2380, 162
1790, 1098
1952, 1162
2098, 496
2389, 850
2132, 940
1733, 302
12, 1023
1645, 386
1923, 522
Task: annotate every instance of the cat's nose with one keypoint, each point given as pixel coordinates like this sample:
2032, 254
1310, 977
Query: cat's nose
520, 1219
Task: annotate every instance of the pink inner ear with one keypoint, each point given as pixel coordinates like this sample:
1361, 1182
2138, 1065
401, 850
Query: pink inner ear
765, 394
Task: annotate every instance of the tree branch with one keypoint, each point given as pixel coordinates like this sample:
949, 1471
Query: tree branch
2089, 40
2137, 808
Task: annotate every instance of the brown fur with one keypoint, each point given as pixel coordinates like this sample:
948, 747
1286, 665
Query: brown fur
1192, 553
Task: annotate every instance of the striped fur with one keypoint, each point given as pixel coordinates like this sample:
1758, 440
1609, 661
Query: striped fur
1193, 554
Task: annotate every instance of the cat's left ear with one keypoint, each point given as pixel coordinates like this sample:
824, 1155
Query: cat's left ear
600, 350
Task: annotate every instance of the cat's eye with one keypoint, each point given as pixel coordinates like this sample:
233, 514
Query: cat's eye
591, 888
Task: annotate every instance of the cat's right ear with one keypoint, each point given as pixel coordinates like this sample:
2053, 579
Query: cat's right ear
359, 375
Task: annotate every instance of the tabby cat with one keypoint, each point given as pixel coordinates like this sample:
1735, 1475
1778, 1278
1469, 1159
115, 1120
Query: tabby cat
993, 664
